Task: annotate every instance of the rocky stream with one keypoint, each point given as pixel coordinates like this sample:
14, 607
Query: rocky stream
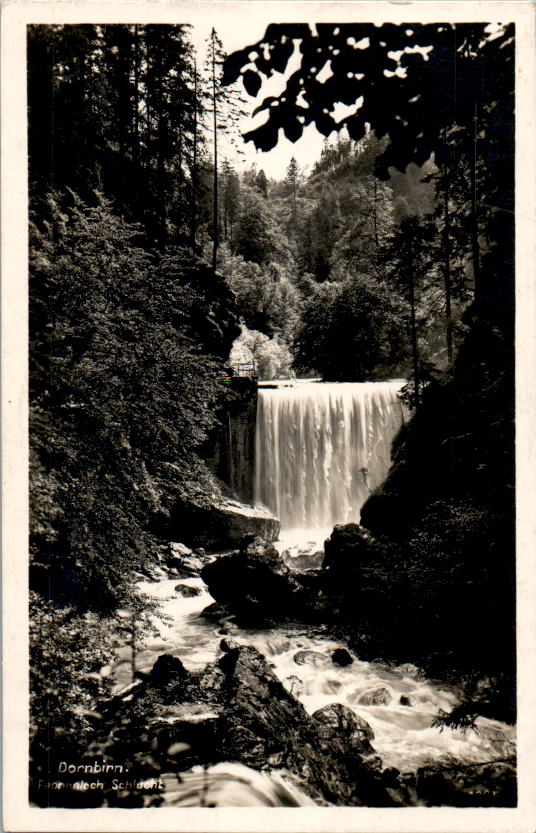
246, 711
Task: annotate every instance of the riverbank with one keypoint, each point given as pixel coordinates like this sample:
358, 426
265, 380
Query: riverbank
301, 657
213, 713
396, 703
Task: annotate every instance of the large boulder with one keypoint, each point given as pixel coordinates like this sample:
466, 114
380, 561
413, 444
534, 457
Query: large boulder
376, 697
254, 582
178, 550
222, 524
303, 557
313, 658
258, 587
167, 669
238, 519
348, 549
182, 561
262, 725
187, 591
337, 720
217, 612
341, 656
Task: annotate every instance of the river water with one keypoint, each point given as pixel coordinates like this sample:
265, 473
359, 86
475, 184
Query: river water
403, 735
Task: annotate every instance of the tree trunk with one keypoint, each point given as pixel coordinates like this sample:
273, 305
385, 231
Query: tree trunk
375, 216
414, 345
446, 261
193, 225
474, 214
448, 287
413, 319
215, 128
162, 148
136, 138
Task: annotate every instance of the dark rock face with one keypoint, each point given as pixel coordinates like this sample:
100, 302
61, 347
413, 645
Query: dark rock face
258, 587
347, 549
337, 720
233, 445
386, 513
449, 496
237, 710
187, 591
342, 657
262, 722
254, 582
222, 524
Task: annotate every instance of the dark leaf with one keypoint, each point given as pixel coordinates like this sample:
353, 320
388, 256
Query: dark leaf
252, 82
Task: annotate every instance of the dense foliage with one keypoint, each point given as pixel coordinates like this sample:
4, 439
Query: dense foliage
123, 391
351, 328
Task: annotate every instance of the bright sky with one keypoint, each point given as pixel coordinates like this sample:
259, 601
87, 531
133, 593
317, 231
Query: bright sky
233, 36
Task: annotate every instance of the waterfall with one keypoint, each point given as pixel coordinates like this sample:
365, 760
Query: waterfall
321, 448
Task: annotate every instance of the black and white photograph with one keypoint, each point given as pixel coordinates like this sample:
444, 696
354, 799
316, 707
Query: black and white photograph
271, 413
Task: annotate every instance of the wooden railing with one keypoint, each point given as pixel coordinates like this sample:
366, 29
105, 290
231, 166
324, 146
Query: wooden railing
245, 369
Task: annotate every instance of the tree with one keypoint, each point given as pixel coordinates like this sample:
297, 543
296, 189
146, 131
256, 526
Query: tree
271, 356
68, 113
124, 104
262, 183
256, 231
266, 297
367, 224
230, 199
408, 278
353, 214
291, 180
350, 328
318, 235
451, 239
194, 171
224, 105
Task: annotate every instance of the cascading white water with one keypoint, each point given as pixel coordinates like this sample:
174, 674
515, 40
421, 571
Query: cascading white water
321, 448
403, 734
